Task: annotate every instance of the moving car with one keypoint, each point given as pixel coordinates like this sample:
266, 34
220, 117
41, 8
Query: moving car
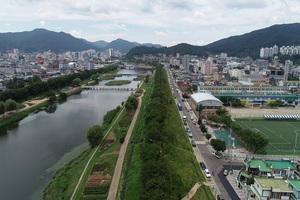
202, 165
193, 143
225, 173
207, 174
217, 154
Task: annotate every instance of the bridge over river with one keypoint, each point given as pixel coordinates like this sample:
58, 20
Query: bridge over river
96, 87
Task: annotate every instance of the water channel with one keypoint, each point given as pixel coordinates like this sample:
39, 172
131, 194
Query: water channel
43, 142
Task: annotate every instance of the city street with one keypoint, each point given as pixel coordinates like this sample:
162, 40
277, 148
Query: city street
203, 152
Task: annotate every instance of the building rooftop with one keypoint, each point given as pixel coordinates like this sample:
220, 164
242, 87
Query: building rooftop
276, 184
199, 97
295, 183
259, 163
281, 164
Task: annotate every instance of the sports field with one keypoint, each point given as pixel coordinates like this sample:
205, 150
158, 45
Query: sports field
283, 136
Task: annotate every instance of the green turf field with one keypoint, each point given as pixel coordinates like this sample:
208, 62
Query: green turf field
282, 135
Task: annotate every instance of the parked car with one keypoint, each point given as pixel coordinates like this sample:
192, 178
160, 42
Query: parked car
217, 154
202, 165
190, 134
207, 174
220, 197
193, 143
195, 122
225, 173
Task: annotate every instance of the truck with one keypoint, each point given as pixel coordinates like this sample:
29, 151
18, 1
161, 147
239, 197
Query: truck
179, 107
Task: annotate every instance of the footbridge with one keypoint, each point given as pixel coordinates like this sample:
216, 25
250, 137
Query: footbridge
93, 87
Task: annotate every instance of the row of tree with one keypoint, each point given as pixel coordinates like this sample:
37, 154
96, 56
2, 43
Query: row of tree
20, 89
158, 181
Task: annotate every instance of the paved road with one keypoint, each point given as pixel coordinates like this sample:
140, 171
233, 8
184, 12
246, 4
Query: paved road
203, 151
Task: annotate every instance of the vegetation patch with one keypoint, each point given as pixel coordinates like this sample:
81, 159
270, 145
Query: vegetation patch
117, 82
159, 162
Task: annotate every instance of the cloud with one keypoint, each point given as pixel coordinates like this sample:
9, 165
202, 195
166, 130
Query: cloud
245, 4
191, 21
76, 33
160, 33
42, 23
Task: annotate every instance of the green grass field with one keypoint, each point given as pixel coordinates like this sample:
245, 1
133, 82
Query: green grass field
281, 134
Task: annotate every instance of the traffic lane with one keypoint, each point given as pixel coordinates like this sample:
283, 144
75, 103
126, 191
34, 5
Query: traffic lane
230, 191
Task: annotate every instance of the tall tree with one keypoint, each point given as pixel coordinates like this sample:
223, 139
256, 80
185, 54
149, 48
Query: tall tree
76, 82
94, 135
10, 105
2, 107
131, 103
218, 145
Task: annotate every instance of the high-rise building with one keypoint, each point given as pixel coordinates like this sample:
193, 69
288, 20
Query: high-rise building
288, 65
186, 62
110, 52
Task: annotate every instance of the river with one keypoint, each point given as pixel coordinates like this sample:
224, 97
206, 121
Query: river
43, 142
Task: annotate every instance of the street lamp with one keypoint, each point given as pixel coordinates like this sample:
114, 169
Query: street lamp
295, 146
230, 150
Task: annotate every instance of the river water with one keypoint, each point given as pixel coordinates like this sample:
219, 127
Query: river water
43, 142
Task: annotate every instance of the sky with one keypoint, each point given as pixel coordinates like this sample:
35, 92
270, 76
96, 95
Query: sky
165, 22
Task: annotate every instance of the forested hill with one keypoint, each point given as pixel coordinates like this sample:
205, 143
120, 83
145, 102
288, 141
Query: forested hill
40, 40
182, 48
248, 44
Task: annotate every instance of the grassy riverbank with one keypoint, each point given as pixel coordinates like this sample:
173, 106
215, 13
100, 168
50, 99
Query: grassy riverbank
18, 116
96, 181
117, 82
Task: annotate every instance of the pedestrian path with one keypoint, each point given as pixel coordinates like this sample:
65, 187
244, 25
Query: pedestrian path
192, 192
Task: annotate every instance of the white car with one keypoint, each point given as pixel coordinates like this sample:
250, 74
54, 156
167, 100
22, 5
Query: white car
207, 174
217, 154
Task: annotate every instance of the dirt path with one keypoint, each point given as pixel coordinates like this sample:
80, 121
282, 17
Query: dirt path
192, 192
117, 173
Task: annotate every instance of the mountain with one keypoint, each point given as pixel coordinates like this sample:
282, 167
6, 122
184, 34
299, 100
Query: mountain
101, 44
249, 44
42, 40
122, 45
181, 48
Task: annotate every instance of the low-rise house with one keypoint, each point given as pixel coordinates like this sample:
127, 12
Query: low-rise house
269, 188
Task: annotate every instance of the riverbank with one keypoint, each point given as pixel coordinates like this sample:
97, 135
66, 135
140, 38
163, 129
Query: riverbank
10, 118
100, 167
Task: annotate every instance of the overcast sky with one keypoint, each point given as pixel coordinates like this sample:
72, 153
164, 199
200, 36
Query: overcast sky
165, 22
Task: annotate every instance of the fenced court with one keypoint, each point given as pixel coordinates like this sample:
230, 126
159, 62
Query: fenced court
229, 140
283, 135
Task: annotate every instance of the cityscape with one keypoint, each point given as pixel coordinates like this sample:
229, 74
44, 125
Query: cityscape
150, 100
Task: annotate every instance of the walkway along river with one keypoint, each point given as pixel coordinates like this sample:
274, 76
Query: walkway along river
41, 143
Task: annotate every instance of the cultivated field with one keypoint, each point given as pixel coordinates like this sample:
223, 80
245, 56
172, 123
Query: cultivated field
283, 135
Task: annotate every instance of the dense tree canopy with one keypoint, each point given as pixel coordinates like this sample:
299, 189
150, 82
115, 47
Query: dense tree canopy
10, 105
218, 145
131, 103
20, 89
